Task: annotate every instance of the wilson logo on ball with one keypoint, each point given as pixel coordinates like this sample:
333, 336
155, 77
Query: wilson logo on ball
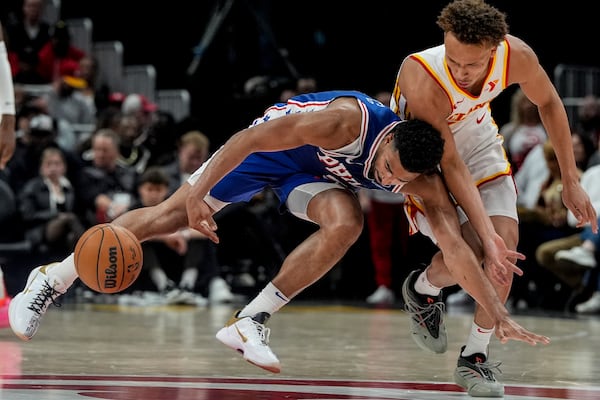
110, 273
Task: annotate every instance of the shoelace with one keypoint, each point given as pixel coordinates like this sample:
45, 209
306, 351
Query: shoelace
43, 299
263, 332
426, 312
486, 369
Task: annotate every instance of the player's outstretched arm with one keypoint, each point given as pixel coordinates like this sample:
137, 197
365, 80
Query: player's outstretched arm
461, 261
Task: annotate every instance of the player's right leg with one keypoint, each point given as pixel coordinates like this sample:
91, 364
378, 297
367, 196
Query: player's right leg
46, 283
339, 227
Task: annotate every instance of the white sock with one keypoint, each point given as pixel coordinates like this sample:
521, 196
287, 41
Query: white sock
64, 270
269, 300
479, 340
423, 286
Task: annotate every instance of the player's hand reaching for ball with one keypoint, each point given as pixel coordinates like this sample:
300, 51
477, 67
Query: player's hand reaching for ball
200, 217
507, 329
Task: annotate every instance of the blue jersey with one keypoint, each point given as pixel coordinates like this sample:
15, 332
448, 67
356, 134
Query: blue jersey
282, 171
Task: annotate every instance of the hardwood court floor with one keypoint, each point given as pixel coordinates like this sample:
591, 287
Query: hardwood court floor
327, 352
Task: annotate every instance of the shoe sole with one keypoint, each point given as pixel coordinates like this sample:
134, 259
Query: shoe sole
224, 337
460, 381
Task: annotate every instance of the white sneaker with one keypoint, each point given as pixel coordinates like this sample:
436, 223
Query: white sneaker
248, 336
219, 291
577, 255
591, 306
383, 295
244, 279
460, 298
29, 306
199, 300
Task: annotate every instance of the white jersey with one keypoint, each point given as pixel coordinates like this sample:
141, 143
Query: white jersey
471, 119
475, 133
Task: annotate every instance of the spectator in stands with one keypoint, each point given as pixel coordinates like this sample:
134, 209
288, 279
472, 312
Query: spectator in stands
58, 52
588, 113
142, 108
47, 207
38, 131
106, 189
162, 138
574, 259
525, 131
66, 104
95, 93
28, 33
590, 123
534, 169
545, 221
132, 151
306, 84
193, 150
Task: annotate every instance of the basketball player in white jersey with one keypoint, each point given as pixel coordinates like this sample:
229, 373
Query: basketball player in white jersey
7, 107
451, 86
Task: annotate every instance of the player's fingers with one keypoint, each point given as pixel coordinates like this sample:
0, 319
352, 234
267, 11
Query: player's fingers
516, 254
211, 223
209, 230
534, 338
502, 337
516, 269
593, 218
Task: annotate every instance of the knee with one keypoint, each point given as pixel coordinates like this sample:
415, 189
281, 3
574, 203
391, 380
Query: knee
346, 230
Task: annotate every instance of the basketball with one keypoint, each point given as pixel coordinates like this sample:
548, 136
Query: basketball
108, 258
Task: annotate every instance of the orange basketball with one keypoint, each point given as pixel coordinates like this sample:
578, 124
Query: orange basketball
108, 258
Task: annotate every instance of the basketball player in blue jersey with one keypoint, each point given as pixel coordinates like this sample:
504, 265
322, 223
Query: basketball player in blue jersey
451, 87
7, 107
315, 152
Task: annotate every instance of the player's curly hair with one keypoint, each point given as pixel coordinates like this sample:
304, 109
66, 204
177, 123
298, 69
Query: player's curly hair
420, 146
474, 22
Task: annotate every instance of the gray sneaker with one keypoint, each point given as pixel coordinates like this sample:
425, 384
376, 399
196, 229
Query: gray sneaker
475, 374
426, 316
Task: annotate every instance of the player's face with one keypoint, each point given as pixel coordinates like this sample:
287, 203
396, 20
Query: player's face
468, 63
387, 169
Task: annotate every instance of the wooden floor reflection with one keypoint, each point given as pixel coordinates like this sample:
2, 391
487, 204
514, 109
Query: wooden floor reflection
327, 352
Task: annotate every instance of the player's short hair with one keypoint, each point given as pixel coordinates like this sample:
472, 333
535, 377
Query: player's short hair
420, 146
474, 22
